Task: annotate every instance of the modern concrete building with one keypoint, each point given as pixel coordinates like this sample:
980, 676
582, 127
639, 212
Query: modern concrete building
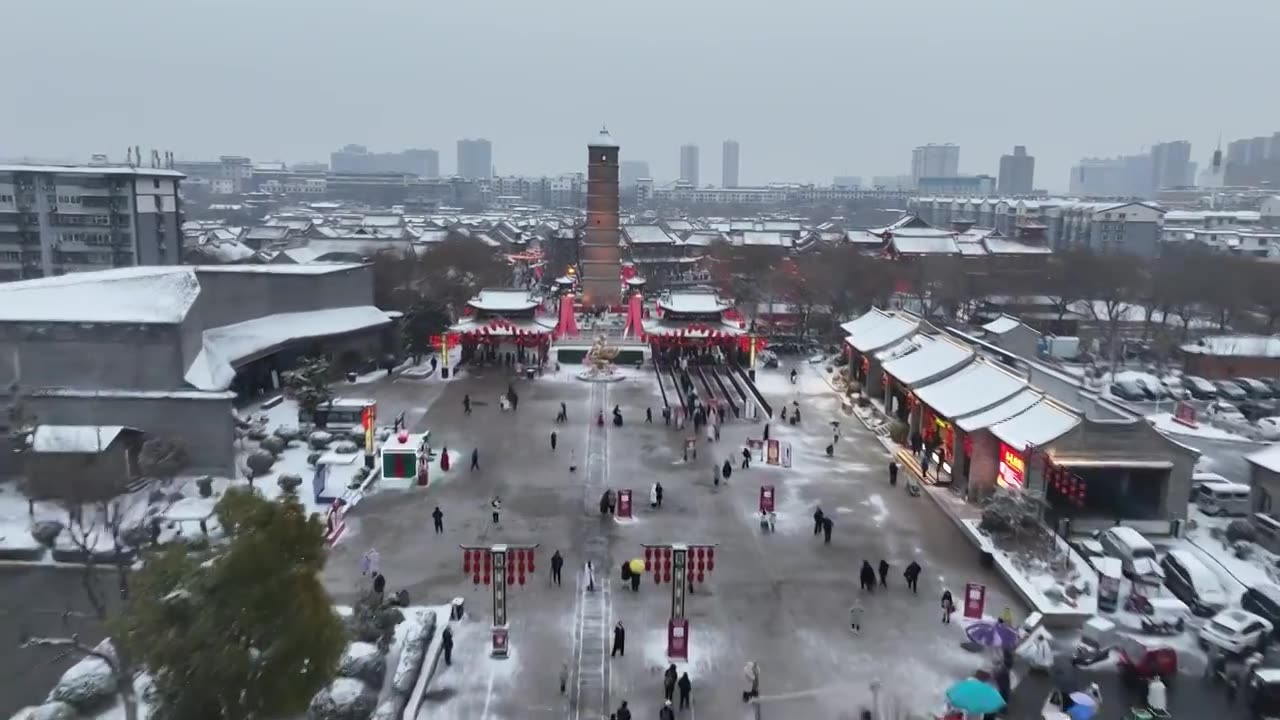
1170, 164
632, 172
357, 160
846, 181
475, 159
935, 161
963, 185
57, 219
601, 245
689, 164
166, 350
729, 161
1128, 176
1017, 172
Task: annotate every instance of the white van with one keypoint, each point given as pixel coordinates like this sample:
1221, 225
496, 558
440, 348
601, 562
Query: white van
1137, 555
1223, 498
342, 415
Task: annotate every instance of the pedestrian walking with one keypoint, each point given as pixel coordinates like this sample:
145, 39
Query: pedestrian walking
466, 404
855, 616
447, 645
948, 607
591, 577
563, 415
666, 713
884, 573
669, 683
437, 519
716, 432
893, 473
557, 563
444, 459
827, 524
666, 415
752, 671
619, 642
573, 461
686, 689
624, 712
915, 444
746, 458
924, 464
817, 521
657, 491
784, 413
867, 577
793, 376
912, 574
727, 470
715, 475
564, 676
371, 562
653, 496
496, 506
648, 415
475, 459
553, 441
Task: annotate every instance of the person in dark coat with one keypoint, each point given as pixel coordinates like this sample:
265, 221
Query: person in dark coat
447, 645
648, 415
867, 577
884, 573
557, 564
635, 582
624, 712
817, 521
784, 413
827, 524
924, 464
831, 451
475, 459
727, 470
496, 506
686, 688
915, 444
619, 643
666, 713
746, 458
912, 574
553, 441
893, 473
948, 607
466, 404
437, 518
657, 490
669, 682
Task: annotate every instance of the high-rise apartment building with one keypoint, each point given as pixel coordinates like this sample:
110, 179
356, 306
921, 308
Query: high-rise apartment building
57, 219
1129, 176
475, 159
1169, 164
935, 161
689, 164
357, 160
601, 256
633, 171
1017, 172
729, 160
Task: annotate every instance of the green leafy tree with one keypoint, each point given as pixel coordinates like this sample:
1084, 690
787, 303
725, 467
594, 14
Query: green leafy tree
242, 630
425, 318
309, 383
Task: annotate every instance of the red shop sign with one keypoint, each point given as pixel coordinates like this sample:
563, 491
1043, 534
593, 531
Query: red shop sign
1011, 472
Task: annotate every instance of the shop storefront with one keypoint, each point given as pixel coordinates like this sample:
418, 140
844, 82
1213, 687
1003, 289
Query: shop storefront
1011, 470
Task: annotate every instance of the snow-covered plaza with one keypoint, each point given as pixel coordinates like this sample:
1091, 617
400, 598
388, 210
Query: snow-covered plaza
781, 599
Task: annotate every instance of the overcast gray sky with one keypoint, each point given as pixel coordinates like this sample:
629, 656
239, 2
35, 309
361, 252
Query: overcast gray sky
810, 88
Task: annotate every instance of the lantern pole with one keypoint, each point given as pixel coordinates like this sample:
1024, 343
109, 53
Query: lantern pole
444, 356
671, 563
508, 562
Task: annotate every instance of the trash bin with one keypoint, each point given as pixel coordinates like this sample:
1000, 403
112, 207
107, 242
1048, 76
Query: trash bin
530, 372
457, 608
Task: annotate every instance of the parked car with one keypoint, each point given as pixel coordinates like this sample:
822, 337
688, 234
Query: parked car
1224, 412
1228, 390
1200, 478
1129, 390
1255, 388
1254, 409
1268, 428
1263, 600
1199, 388
1235, 631
1193, 583
1174, 388
1223, 498
1154, 390
1273, 383
1137, 555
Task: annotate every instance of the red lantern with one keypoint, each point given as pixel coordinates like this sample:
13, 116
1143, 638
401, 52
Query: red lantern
486, 577
475, 578
488, 562
711, 558
511, 575
700, 576
666, 552
657, 577
466, 561
529, 560
699, 564
520, 578
519, 556
648, 556
666, 576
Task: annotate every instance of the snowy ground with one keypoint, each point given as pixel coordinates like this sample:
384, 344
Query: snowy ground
1165, 423
786, 586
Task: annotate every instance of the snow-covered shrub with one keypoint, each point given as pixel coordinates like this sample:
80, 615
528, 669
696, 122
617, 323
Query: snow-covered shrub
47, 711
256, 433
1010, 512
373, 621
346, 447
390, 709
289, 482
288, 433
898, 431
319, 439
260, 462
1238, 530
205, 486
46, 532
363, 661
313, 457
273, 444
136, 535
89, 684
344, 699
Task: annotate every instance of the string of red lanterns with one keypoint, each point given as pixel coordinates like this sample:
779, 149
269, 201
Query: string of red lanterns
478, 563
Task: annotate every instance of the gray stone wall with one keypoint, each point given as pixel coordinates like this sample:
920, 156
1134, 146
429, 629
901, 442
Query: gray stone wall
66, 355
232, 297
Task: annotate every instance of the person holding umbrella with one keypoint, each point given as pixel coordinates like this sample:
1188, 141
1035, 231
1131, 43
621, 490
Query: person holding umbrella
974, 697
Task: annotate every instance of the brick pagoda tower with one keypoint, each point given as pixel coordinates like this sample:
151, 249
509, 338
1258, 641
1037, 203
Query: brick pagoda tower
601, 252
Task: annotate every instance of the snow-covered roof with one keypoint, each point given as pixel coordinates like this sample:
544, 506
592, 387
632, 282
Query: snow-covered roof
691, 330
977, 386
1234, 346
1042, 423
1002, 325
148, 294
647, 235
509, 327
88, 439
93, 170
933, 357
863, 237
223, 347
602, 139
999, 413
692, 302
502, 300
1267, 458
877, 329
766, 238
1006, 246
925, 244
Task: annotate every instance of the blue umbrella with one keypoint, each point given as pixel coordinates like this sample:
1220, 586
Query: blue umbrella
975, 697
992, 634
1085, 706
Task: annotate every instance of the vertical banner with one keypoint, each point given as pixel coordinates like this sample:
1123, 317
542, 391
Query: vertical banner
975, 600
370, 417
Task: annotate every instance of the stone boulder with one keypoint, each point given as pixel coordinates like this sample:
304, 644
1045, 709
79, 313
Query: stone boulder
319, 439
273, 444
346, 447
363, 661
344, 699
288, 433
89, 685
47, 711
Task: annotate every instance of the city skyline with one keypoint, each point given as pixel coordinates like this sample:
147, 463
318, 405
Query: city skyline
785, 146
